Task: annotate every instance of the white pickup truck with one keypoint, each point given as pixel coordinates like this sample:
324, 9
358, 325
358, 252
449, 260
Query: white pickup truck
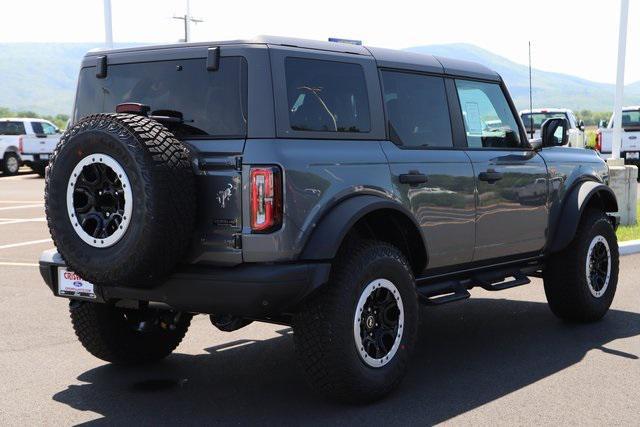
630, 147
26, 141
577, 137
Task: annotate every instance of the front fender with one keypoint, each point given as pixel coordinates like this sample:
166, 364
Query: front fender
575, 202
327, 237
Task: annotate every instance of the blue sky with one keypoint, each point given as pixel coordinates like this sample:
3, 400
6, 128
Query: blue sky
570, 36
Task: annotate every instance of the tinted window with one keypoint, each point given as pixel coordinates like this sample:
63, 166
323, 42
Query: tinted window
12, 128
488, 120
326, 96
37, 128
539, 119
211, 103
417, 110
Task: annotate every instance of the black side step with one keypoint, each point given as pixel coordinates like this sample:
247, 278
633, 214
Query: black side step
519, 279
444, 292
458, 289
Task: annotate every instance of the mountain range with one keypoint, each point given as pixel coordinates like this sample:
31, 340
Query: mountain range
41, 77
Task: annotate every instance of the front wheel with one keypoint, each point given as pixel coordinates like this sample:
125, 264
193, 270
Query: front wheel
127, 336
580, 282
354, 338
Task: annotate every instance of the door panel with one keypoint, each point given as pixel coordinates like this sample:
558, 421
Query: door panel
444, 205
512, 211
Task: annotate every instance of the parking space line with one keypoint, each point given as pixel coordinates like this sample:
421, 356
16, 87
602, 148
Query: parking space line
20, 201
5, 221
18, 264
32, 242
6, 208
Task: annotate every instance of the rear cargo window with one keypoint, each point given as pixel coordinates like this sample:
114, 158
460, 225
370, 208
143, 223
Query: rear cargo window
210, 103
326, 96
12, 128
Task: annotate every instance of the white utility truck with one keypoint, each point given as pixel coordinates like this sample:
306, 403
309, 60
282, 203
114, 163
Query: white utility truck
26, 141
630, 147
538, 116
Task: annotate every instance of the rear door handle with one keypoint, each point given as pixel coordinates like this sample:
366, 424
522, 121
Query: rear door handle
413, 177
490, 176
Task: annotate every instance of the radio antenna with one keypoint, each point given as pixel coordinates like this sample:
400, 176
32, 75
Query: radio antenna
530, 93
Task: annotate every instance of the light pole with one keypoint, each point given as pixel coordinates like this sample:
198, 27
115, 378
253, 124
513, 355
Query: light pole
617, 104
188, 19
108, 34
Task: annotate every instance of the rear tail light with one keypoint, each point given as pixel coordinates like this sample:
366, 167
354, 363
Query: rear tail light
598, 146
20, 145
266, 199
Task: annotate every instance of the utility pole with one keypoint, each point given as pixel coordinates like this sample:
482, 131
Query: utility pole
108, 34
617, 105
188, 19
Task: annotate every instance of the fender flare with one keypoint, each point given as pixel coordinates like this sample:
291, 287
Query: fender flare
326, 238
566, 223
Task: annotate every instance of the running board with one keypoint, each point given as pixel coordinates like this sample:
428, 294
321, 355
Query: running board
444, 292
519, 279
439, 293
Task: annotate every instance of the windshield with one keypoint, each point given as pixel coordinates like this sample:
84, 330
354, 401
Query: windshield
540, 118
204, 103
12, 128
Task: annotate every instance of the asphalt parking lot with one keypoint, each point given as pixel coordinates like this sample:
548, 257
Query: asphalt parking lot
498, 358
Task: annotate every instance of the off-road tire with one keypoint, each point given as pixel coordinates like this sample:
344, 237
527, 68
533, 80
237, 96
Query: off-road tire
163, 190
5, 166
324, 326
565, 275
104, 332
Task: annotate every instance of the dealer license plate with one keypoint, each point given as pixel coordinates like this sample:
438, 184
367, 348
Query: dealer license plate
633, 155
71, 285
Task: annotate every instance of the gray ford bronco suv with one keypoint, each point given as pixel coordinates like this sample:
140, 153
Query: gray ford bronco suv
324, 185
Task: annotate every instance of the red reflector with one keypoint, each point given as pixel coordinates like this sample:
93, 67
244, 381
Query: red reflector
132, 108
266, 199
20, 145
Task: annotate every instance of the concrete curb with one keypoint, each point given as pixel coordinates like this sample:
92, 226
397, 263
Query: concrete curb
629, 247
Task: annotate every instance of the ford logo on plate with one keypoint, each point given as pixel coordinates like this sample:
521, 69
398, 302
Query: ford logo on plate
77, 284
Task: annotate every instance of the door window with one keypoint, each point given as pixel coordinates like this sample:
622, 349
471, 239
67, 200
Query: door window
37, 128
417, 110
488, 119
326, 96
48, 129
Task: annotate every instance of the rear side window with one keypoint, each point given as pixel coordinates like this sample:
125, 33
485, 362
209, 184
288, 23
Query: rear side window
488, 119
12, 128
417, 110
630, 119
326, 96
210, 103
37, 128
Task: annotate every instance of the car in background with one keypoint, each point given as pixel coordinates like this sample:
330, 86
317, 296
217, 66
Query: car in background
537, 116
26, 141
630, 147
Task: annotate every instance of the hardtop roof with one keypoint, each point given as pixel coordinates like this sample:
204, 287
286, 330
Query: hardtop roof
388, 58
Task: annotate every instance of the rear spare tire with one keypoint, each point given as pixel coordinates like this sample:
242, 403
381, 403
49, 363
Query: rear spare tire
120, 199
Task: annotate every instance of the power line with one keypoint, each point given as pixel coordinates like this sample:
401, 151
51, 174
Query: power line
188, 19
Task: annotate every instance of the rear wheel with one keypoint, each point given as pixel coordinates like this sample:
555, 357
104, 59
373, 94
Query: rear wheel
580, 282
10, 164
355, 337
127, 336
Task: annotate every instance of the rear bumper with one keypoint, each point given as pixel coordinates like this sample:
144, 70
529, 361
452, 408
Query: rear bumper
251, 290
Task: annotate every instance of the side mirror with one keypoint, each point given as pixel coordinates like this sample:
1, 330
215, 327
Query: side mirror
555, 132
603, 124
581, 125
